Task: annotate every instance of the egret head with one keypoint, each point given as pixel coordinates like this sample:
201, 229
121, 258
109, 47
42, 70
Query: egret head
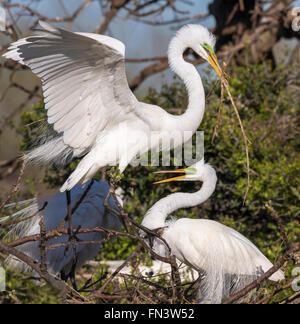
200, 40
199, 171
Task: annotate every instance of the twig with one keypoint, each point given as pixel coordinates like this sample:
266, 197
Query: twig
43, 241
16, 186
173, 21
154, 285
81, 199
98, 292
176, 282
263, 277
267, 298
291, 299
219, 115
53, 281
281, 227
24, 219
72, 240
64, 231
58, 245
11, 168
226, 85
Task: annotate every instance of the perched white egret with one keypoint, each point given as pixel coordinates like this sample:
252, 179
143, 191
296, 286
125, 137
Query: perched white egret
90, 213
90, 105
226, 259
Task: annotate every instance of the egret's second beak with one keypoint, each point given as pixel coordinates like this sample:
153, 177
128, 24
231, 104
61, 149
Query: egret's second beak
215, 64
171, 179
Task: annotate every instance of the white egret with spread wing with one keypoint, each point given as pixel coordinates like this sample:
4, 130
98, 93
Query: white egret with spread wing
90, 105
90, 213
226, 259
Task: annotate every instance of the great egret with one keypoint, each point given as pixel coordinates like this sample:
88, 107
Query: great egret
89, 102
90, 213
226, 259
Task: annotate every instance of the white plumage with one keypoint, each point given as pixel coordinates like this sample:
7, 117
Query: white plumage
226, 259
90, 214
89, 102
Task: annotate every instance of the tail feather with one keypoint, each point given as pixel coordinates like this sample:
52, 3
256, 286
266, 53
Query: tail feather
22, 229
18, 204
53, 150
83, 172
277, 276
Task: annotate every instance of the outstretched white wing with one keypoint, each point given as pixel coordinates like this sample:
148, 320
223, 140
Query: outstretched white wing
83, 78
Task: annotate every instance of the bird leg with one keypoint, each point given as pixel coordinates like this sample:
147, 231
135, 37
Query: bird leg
71, 233
72, 239
72, 275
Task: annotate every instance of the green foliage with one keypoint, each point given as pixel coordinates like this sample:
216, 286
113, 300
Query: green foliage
269, 109
269, 113
21, 289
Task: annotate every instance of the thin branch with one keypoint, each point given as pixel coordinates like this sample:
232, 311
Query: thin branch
45, 18
281, 227
173, 21
51, 280
15, 187
43, 241
263, 277
64, 231
99, 292
215, 133
6, 224
226, 85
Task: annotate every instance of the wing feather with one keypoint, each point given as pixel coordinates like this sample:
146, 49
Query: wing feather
83, 78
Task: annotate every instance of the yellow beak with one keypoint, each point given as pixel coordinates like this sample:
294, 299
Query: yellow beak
214, 63
171, 179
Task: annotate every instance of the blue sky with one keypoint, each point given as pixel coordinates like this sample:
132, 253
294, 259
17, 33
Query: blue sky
141, 40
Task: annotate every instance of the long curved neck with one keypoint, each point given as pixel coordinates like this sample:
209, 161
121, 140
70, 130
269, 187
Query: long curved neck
158, 213
191, 119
